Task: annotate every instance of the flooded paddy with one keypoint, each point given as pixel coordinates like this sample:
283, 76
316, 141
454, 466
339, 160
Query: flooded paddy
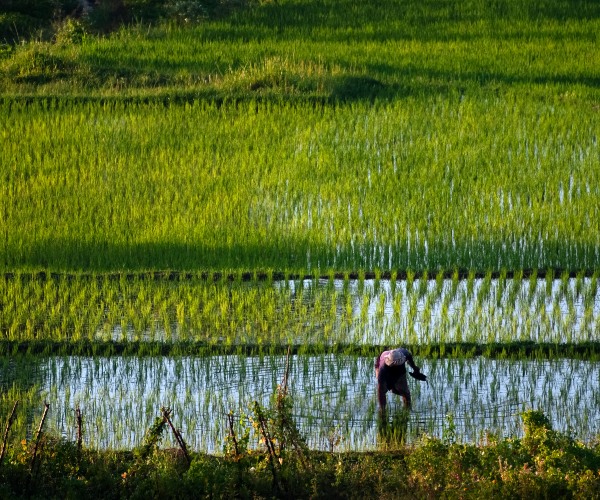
374, 312
315, 312
333, 394
334, 397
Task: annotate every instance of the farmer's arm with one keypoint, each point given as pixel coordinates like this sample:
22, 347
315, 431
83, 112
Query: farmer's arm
377, 361
411, 362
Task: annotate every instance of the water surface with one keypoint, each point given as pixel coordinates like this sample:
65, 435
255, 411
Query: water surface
334, 396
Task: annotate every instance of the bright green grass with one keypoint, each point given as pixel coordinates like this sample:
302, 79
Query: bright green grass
317, 315
475, 183
314, 136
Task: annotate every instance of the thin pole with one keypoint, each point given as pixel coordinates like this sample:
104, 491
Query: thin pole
7, 430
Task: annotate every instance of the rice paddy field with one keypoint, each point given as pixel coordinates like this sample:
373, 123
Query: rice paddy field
334, 397
312, 315
180, 203
475, 183
120, 349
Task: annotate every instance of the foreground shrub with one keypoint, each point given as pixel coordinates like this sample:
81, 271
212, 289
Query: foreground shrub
542, 464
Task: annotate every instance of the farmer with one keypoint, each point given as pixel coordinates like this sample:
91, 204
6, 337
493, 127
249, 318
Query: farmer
390, 371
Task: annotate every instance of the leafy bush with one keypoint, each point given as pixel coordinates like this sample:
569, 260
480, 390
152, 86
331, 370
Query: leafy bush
187, 10
543, 464
26, 19
144, 9
41, 9
35, 63
70, 31
107, 13
44, 10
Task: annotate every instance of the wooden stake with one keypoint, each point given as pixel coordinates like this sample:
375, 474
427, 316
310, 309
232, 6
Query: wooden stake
7, 430
38, 436
287, 371
166, 415
232, 435
79, 419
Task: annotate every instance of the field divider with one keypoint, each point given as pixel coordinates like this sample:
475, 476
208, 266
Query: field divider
249, 276
502, 350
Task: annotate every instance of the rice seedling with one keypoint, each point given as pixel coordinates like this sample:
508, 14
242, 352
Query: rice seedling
311, 313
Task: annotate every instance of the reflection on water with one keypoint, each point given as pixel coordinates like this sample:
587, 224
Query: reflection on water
476, 310
392, 432
334, 397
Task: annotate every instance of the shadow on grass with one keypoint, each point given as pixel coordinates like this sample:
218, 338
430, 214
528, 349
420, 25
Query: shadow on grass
340, 15
337, 23
429, 20
61, 255
291, 255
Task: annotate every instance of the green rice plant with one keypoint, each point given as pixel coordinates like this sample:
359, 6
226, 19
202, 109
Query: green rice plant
94, 309
147, 223
423, 284
532, 285
483, 294
549, 282
18, 384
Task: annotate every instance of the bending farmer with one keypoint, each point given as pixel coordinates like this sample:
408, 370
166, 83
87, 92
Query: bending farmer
390, 371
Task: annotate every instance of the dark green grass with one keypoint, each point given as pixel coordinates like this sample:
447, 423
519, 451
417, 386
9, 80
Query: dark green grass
589, 351
329, 51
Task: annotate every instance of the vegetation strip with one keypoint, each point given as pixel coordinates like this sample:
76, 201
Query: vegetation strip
511, 350
543, 464
415, 311
249, 276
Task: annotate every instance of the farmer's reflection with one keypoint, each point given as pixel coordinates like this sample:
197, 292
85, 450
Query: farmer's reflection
392, 433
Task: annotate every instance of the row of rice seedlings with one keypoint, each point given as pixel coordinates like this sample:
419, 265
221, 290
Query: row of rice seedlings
398, 185
333, 395
302, 312
482, 310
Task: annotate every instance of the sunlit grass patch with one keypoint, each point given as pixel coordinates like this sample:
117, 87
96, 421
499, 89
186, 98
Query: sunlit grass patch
395, 186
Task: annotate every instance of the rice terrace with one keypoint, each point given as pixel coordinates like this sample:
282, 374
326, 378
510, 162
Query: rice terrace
216, 214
